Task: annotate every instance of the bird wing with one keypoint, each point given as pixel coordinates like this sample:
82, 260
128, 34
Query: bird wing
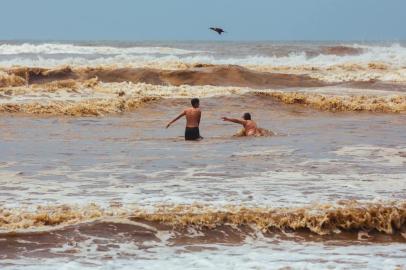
217, 30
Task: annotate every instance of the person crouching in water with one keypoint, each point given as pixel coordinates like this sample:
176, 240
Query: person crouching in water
193, 116
250, 127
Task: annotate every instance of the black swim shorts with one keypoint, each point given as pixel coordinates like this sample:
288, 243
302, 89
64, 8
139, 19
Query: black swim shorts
192, 133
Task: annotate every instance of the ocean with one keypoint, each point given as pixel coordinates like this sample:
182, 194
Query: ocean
90, 178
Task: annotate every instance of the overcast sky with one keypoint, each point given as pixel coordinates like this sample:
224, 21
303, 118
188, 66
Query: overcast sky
189, 19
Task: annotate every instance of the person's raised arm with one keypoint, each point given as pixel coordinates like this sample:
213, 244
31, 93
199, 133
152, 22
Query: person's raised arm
176, 119
234, 120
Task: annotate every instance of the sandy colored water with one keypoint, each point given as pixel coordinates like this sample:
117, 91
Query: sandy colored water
91, 179
127, 162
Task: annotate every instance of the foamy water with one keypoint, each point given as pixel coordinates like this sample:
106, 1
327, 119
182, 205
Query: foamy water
272, 54
91, 179
330, 62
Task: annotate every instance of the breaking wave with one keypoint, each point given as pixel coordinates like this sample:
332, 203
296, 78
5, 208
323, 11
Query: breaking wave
201, 75
78, 99
330, 64
351, 216
82, 108
389, 104
94, 91
70, 54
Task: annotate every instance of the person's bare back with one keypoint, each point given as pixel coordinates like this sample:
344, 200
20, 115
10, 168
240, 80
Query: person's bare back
250, 128
193, 116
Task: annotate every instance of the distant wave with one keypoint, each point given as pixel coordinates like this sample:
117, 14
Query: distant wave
51, 55
204, 75
104, 90
68, 49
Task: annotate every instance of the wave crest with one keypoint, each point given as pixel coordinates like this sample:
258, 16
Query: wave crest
388, 218
93, 107
227, 75
97, 91
388, 104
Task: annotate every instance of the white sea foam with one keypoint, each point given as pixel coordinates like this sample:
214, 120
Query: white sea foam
260, 254
42, 55
60, 48
279, 188
386, 63
383, 156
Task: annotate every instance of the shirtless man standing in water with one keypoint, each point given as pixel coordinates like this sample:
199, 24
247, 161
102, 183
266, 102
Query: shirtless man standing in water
250, 127
193, 116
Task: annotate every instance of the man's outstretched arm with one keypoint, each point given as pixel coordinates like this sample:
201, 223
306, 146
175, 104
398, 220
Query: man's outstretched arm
234, 120
176, 119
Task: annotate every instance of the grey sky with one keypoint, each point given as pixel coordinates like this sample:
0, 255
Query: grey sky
190, 19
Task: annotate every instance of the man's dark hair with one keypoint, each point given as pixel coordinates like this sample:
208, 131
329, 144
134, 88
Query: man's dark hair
195, 102
247, 116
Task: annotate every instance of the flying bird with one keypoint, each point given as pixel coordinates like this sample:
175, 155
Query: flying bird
218, 30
